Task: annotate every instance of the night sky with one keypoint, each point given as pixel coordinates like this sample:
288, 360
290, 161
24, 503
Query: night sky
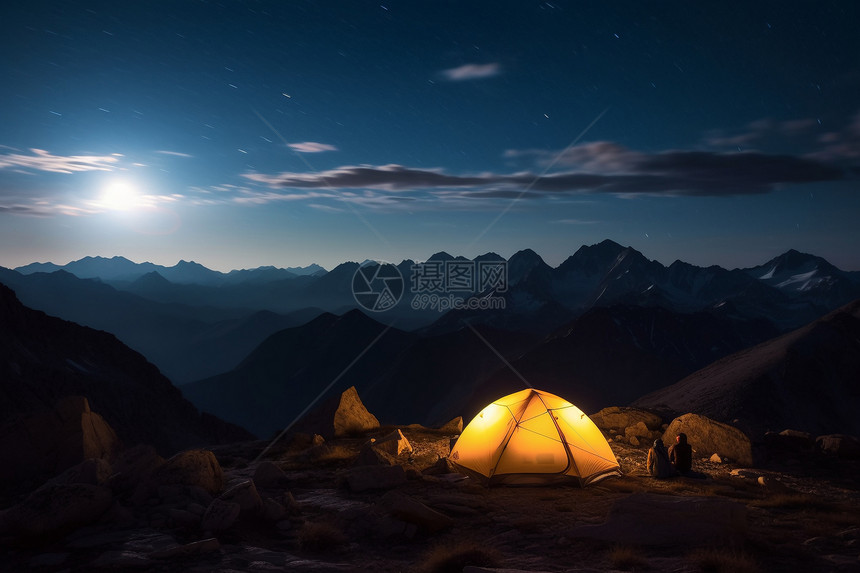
240, 134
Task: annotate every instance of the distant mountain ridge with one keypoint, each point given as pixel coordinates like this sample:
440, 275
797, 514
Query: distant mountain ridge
184, 272
184, 327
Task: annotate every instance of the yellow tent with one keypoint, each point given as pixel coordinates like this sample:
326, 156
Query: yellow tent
533, 437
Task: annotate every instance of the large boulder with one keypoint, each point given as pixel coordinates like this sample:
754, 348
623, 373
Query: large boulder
55, 508
618, 419
340, 416
454, 426
244, 494
709, 437
192, 468
269, 475
135, 466
394, 444
411, 510
41, 445
839, 445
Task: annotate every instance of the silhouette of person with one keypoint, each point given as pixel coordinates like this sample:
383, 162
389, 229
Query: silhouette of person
658, 462
681, 454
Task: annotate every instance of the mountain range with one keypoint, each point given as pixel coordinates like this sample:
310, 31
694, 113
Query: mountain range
605, 327
183, 272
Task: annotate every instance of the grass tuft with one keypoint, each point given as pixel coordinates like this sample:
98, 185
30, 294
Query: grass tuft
723, 561
455, 556
794, 501
331, 454
626, 558
320, 537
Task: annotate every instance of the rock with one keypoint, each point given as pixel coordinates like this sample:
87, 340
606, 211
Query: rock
245, 494
317, 440
715, 459
706, 435
94, 471
638, 430
220, 515
622, 418
394, 444
56, 507
272, 510
375, 477
268, 475
340, 416
633, 441
839, 445
789, 442
442, 466
135, 466
651, 519
455, 426
194, 548
41, 445
191, 467
183, 517
121, 560
413, 511
372, 456
850, 533
761, 480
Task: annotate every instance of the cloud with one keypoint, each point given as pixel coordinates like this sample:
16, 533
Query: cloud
311, 147
599, 156
173, 153
41, 160
842, 145
574, 222
472, 72
602, 168
771, 133
386, 177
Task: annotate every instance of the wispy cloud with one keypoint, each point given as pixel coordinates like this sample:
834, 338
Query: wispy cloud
823, 140
472, 72
174, 153
311, 147
574, 222
41, 160
603, 167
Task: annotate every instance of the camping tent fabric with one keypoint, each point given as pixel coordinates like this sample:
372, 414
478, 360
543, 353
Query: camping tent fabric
533, 436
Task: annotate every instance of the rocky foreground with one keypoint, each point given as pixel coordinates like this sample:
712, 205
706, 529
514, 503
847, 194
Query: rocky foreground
352, 495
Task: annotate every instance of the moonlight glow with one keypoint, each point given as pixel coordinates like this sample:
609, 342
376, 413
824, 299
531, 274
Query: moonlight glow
120, 195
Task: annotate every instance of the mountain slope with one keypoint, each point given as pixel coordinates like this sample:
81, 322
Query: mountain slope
268, 389
43, 359
401, 377
185, 342
611, 355
804, 380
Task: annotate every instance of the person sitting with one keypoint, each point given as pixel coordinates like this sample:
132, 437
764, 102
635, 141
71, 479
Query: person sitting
681, 454
658, 462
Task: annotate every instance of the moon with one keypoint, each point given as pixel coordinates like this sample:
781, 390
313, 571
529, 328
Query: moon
120, 195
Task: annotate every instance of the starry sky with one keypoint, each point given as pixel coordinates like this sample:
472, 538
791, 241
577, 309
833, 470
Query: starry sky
240, 134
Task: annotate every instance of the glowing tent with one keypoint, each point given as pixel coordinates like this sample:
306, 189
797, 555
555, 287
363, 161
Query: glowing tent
533, 437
